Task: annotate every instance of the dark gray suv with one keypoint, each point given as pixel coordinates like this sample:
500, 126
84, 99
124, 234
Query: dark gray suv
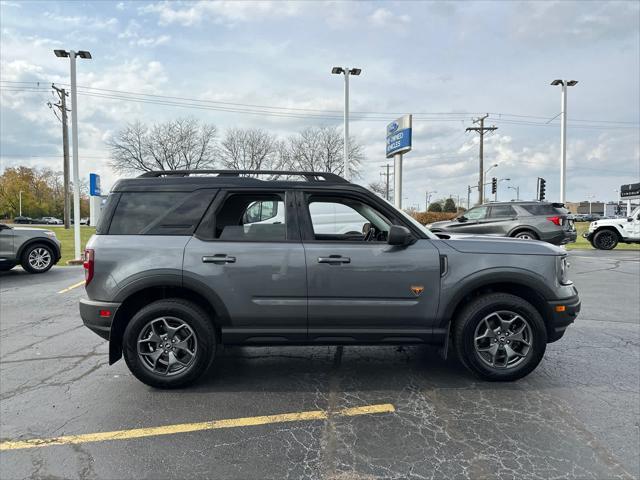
549, 222
183, 262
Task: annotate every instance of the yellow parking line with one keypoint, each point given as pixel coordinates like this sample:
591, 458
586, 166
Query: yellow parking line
75, 285
196, 427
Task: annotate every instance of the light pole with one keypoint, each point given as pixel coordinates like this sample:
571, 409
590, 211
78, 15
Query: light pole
428, 198
563, 135
74, 139
589, 197
517, 189
20, 202
495, 195
347, 72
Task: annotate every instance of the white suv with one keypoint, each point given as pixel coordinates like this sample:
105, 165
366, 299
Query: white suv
607, 233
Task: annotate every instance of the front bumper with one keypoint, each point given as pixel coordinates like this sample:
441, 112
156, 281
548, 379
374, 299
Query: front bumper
588, 235
98, 316
562, 314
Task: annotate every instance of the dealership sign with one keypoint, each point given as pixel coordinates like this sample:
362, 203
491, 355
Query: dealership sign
630, 191
94, 185
399, 136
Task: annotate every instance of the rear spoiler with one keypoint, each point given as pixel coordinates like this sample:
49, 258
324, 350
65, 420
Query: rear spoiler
557, 205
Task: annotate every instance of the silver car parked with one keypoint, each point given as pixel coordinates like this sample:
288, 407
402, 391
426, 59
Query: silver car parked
36, 249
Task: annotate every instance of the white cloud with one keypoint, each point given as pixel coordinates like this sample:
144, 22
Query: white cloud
222, 12
385, 18
133, 34
83, 21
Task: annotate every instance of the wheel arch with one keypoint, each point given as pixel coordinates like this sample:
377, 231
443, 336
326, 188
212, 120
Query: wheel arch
522, 228
137, 299
38, 240
533, 291
610, 228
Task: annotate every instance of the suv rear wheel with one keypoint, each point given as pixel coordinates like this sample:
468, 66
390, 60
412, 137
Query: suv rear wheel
605, 239
526, 235
500, 337
37, 258
169, 343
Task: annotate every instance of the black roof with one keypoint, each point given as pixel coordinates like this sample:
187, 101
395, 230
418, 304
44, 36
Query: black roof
189, 180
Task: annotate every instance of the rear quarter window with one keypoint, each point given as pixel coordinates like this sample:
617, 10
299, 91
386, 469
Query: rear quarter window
159, 213
542, 209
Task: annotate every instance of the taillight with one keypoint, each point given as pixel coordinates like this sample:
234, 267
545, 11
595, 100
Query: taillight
555, 220
88, 265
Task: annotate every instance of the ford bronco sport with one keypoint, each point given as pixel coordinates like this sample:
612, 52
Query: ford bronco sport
185, 261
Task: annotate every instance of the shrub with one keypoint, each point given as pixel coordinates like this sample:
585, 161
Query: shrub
430, 217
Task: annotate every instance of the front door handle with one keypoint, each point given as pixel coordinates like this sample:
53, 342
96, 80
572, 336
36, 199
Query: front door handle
334, 259
219, 259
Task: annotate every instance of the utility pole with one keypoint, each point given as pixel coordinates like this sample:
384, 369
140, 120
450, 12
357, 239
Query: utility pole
563, 135
481, 130
347, 72
386, 174
20, 202
62, 106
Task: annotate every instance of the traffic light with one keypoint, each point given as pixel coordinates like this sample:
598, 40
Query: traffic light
542, 188
494, 185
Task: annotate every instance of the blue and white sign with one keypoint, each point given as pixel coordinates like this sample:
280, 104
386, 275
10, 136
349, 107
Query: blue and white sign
94, 184
399, 136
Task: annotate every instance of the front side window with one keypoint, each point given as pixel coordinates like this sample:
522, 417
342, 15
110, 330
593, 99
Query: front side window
251, 217
476, 213
346, 219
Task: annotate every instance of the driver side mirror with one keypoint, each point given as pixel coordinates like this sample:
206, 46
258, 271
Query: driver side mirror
399, 236
462, 218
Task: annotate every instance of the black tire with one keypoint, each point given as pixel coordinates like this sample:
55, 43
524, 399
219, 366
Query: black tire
190, 314
36, 267
526, 235
468, 321
605, 239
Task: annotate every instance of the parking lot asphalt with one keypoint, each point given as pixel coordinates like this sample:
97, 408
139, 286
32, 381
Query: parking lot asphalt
321, 412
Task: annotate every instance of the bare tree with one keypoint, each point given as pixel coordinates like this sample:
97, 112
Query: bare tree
379, 188
249, 149
182, 144
322, 149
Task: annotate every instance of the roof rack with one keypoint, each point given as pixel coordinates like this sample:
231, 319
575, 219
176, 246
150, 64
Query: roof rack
309, 176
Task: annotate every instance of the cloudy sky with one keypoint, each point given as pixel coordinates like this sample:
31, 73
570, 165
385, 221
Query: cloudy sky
445, 62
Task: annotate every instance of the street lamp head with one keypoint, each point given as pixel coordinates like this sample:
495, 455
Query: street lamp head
556, 82
355, 71
61, 53
83, 54
337, 70
571, 83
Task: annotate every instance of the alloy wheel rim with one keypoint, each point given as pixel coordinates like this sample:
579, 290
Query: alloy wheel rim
524, 236
167, 346
503, 339
39, 258
606, 240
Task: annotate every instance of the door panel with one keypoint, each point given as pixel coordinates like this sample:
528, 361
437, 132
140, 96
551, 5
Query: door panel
263, 286
6, 244
366, 294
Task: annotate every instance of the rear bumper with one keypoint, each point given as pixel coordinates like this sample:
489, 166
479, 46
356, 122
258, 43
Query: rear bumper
560, 238
95, 317
563, 313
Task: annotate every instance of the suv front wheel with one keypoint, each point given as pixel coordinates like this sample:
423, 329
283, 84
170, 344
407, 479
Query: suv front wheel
37, 258
605, 239
500, 337
169, 343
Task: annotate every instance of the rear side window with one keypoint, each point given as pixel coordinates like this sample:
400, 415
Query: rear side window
502, 211
540, 209
159, 213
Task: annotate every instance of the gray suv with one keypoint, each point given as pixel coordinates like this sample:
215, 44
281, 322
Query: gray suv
186, 261
36, 249
549, 222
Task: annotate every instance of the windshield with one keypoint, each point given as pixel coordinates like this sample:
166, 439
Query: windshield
422, 228
635, 212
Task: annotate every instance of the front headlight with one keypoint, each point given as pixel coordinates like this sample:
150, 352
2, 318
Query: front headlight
563, 270
49, 233
429, 225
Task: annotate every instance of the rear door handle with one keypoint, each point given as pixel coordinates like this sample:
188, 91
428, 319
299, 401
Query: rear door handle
219, 259
334, 259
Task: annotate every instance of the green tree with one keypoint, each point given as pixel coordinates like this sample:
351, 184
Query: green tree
435, 207
450, 206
